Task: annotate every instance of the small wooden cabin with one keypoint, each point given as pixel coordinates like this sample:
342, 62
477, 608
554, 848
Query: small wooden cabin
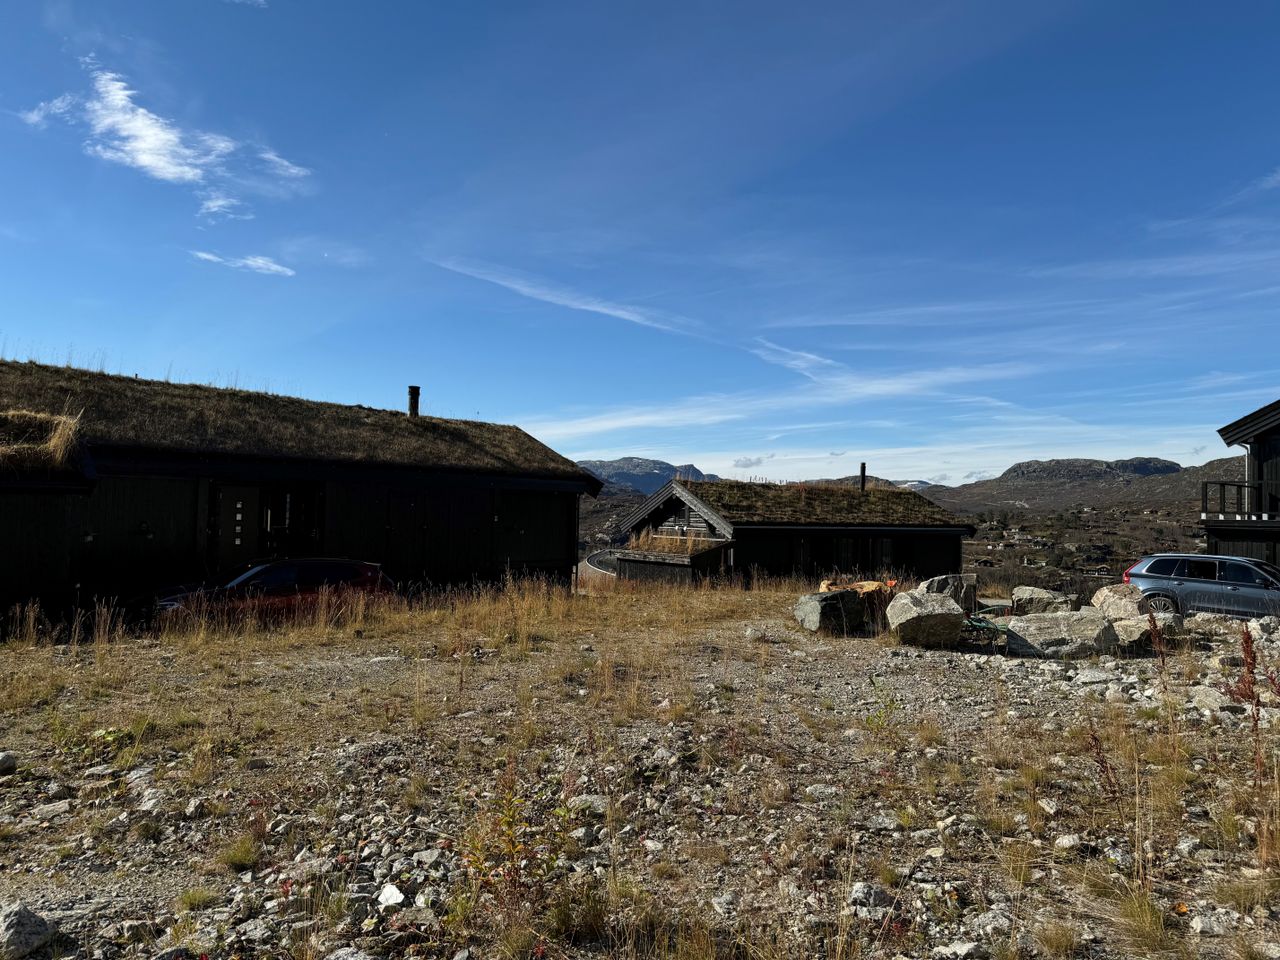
112, 486
789, 528
1241, 517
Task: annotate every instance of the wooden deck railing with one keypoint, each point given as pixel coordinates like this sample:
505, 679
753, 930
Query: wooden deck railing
1229, 498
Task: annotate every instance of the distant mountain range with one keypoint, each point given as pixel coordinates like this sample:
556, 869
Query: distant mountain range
1051, 485
1034, 486
643, 475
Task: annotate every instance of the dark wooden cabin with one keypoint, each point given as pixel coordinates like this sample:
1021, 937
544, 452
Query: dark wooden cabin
112, 486
1241, 517
789, 528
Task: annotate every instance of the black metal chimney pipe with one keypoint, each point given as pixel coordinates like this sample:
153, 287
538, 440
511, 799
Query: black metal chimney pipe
862, 479
414, 393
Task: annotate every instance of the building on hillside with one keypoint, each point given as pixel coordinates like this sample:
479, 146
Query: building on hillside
691, 529
1241, 517
111, 486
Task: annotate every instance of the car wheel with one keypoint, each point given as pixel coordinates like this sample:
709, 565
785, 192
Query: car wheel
1160, 604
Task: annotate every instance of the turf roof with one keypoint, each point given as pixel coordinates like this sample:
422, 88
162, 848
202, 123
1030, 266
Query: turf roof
126, 411
827, 504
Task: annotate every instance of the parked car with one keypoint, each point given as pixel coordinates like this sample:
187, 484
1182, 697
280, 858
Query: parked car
281, 586
1194, 583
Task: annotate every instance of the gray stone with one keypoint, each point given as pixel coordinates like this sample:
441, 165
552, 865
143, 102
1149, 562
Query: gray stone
1038, 600
960, 587
47, 811
839, 612
1090, 676
1120, 601
595, 803
8, 763
1061, 635
868, 895
1136, 632
22, 931
925, 619
960, 950
1265, 628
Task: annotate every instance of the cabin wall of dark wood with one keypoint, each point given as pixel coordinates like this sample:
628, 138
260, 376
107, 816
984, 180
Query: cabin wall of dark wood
125, 536
106, 542
655, 571
1264, 469
1255, 544
811, 553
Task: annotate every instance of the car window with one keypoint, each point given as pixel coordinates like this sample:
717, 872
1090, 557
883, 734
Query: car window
1195, 569
1270, 569
276, 578
1162, 566
1239, 573
243, 578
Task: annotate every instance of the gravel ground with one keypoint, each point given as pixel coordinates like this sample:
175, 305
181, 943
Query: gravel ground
639, 783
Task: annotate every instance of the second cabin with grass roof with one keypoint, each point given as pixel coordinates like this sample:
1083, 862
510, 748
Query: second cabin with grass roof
691, 529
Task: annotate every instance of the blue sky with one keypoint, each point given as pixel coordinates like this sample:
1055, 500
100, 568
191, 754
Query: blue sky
771, 239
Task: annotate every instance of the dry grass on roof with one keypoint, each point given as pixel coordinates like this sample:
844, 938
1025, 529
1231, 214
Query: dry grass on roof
127, 411
818, 503
33, 439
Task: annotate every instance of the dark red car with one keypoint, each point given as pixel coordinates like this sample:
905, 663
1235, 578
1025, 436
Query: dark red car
281, 586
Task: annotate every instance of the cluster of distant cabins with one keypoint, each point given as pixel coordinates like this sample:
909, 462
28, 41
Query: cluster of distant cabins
110, 485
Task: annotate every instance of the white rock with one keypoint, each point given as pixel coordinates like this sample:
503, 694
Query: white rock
822, 791
390, 896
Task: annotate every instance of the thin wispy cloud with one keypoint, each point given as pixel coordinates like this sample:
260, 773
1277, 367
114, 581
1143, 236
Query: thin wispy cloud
806, 364
260, 4
121, 130
126, 133
1176, 266
38, 116
254, 263
218, 206
283, 167
558, 296
841, 387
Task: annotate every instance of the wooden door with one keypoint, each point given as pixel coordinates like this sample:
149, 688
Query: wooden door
237, 527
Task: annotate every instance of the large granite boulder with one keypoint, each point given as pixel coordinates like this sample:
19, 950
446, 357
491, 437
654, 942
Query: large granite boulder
925, 619
1135, 633
839, 611
1120, 601
1081, 633
22, 931
960, 587
1038, 600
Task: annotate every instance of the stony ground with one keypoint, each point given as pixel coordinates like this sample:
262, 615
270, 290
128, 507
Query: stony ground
641, 775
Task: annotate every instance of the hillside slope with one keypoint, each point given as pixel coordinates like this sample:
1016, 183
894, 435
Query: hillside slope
1052, 485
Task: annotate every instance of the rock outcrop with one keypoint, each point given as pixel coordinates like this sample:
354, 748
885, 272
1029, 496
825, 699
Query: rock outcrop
1038, 600
22, 931
960, 587
1120, 601
1061, 635
839, 612
925, 619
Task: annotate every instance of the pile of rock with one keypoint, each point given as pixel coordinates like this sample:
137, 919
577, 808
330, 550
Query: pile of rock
1044, 623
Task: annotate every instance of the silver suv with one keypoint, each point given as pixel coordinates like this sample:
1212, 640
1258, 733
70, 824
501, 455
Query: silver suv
1194, 583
